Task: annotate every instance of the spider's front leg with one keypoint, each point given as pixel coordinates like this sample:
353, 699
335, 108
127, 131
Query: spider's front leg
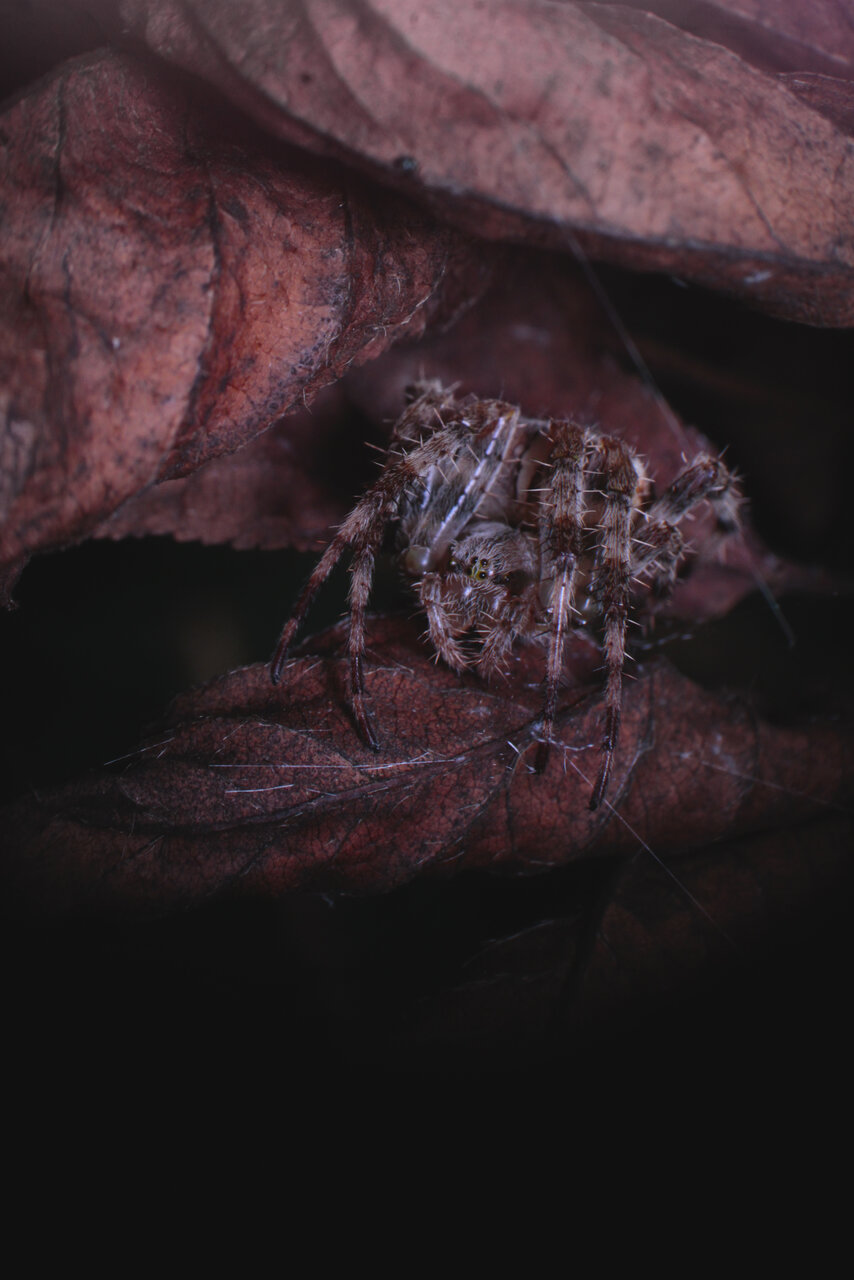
363, 532
560, 527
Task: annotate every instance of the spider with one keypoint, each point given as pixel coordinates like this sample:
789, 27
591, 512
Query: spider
515, 528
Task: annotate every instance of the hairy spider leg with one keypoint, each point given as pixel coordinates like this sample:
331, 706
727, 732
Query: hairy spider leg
613, 578
320, 573
658, 557
707, 479
363, 531
560, 530
509, 619
428, 404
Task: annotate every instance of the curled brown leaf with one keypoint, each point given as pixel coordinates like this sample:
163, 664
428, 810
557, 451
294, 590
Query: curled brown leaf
171, 282
657, 148
539, 335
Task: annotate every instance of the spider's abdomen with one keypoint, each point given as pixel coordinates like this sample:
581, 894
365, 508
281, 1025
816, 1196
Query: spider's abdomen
475, 479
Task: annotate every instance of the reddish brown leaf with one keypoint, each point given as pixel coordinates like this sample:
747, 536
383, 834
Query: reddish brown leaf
251, 790
662, 150
171, 282
287, 488
539, 335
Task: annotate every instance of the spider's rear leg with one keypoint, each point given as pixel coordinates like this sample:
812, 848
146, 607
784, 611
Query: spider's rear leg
657, 556
706, 480
321, 572
613, 577
560, 526
661, 549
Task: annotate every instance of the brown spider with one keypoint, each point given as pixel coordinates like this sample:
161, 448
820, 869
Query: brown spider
515, 527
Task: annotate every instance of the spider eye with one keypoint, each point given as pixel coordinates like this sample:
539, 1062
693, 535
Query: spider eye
479, 569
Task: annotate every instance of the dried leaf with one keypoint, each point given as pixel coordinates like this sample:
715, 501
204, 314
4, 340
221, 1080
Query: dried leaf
661, 150
288, 488
539, 335
173, 281
249, 790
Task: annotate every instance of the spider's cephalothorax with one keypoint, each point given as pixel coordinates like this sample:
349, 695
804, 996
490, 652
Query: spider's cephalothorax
513, 527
